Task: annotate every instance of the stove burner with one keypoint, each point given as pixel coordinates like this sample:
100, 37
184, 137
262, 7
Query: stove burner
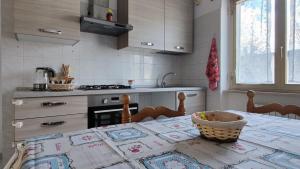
103, 87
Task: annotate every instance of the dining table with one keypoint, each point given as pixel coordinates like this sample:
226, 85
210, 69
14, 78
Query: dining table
266, 142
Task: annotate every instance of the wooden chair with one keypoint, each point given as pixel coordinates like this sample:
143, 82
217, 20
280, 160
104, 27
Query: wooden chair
274, 107
150, 111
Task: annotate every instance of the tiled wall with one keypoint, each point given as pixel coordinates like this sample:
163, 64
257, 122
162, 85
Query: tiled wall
94, 60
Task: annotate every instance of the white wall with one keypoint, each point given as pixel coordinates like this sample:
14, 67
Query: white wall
207, 25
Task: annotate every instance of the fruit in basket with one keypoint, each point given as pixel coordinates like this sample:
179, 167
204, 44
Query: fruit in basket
203, 115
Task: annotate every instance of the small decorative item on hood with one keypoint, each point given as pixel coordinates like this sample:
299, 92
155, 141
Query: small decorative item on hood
109, 14
130, 82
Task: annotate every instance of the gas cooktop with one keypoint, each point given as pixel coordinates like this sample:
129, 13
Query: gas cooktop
103, 87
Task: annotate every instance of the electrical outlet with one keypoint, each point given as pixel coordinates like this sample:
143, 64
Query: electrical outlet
13, 144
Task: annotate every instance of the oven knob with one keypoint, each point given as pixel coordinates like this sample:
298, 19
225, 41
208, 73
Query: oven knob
105, 101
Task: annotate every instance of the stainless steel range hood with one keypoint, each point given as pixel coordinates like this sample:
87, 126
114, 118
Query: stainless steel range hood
103, 27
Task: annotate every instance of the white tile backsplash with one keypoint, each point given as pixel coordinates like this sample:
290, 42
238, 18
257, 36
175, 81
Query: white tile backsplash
94, 59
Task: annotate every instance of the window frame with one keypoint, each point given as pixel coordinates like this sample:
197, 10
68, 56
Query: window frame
280, 61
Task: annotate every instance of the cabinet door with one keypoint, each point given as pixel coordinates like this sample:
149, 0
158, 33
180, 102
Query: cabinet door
194, 101
147, 18
57, 19
179, 17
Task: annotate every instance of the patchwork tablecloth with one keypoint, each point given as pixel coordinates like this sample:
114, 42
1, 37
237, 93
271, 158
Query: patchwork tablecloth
266, 142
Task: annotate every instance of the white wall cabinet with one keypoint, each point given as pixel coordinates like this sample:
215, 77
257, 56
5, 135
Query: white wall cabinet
147, 18
179, 18
164, 25
53, 21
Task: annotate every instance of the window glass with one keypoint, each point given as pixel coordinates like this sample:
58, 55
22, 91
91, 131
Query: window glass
255, 41
293, 41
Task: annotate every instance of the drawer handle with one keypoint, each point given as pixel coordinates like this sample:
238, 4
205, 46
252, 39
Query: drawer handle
17, 125
53, 104
52, 31
52, 124
179, 47
191, 95
18, 102
147, 43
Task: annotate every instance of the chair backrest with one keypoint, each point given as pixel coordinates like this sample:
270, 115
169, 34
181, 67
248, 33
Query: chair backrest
273, 107
150, 111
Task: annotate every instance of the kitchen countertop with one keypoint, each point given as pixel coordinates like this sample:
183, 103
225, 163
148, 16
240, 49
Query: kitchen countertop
27, 93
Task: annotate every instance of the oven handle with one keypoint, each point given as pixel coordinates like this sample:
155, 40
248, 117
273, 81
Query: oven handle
112, 110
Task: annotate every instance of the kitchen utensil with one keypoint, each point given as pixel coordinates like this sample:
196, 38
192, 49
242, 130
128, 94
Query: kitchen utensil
65, 70
42, 75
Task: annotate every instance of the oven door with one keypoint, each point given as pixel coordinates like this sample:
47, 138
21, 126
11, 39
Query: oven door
108, 115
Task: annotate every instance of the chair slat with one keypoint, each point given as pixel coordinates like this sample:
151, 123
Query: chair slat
283, 110
151, 111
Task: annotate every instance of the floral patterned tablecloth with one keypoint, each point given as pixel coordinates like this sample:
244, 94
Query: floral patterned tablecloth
265, 142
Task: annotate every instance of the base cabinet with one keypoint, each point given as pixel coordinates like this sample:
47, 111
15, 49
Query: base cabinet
194, 101
49, 115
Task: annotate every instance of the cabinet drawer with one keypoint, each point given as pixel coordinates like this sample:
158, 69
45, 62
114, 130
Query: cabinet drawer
50, 125
51, 106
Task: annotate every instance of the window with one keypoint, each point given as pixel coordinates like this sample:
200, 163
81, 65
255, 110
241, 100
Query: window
267, 44
255, 42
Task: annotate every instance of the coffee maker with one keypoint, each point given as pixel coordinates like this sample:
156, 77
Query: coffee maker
42, 77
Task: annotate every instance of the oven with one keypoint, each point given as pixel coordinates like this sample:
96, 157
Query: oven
107, 109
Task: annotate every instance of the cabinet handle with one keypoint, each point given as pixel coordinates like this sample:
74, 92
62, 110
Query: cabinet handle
53, 104
179, 47
147, 43
17, 125
191, 95
18, 102
52, 31
281, 52
52, 124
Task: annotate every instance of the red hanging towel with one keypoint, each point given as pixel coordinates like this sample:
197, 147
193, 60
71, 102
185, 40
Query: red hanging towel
212, 68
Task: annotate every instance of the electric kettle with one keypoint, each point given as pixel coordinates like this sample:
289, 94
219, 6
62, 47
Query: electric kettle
42, 77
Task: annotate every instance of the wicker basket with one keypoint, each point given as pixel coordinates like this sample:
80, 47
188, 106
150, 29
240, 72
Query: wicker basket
61, 87
220, 126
